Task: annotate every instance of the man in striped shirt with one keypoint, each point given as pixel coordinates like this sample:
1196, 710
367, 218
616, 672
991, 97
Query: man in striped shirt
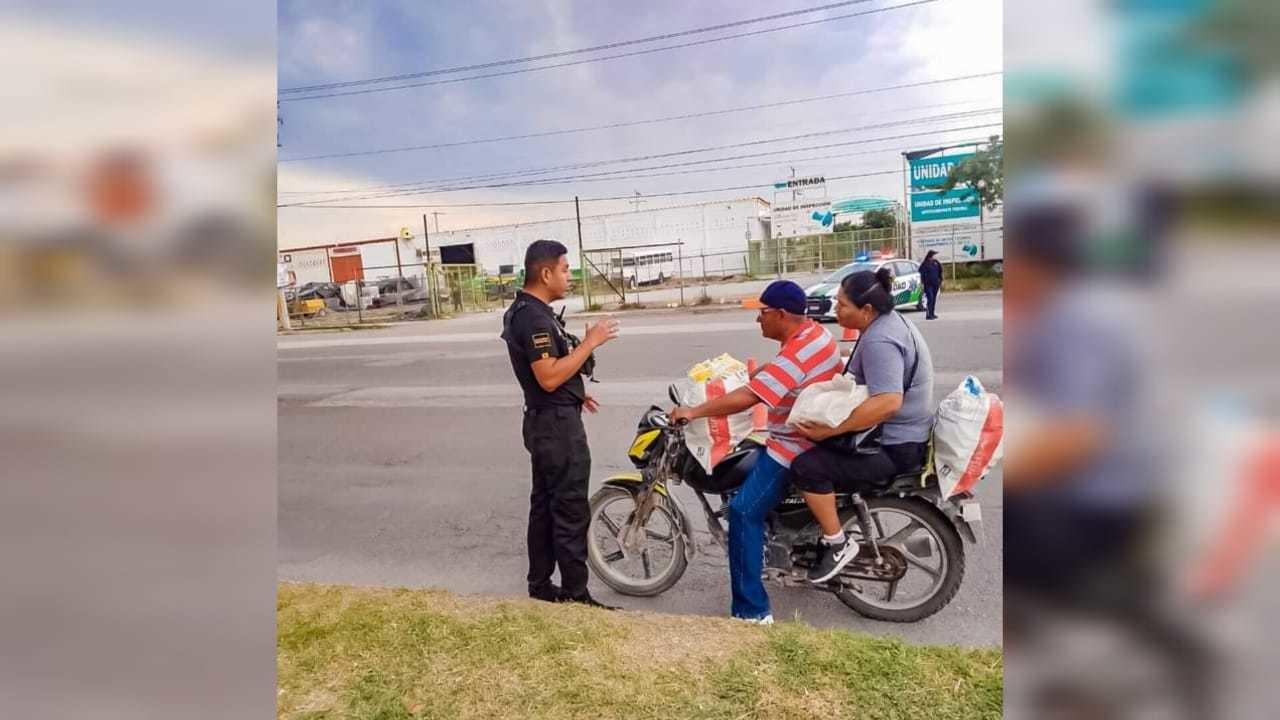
809, 354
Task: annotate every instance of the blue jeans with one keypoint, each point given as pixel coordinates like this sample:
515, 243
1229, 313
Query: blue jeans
765, 487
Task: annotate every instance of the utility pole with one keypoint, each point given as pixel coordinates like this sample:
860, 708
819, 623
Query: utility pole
429, 272
637, 202
436, 215
582, 258
906, 207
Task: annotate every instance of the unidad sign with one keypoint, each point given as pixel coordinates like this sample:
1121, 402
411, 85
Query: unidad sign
928, 173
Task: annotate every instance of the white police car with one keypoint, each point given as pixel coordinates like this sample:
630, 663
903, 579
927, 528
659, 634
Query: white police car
908, 290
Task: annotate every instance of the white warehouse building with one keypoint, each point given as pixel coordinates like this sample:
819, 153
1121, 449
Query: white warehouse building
713, 228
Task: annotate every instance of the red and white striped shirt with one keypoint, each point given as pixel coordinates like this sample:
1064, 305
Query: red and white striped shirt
811, 355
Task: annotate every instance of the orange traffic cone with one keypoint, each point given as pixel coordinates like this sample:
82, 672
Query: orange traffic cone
759, 415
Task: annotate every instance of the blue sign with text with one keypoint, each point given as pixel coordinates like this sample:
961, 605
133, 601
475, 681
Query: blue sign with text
950, 205
932, 172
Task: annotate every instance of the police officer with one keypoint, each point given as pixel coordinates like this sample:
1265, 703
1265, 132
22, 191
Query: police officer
548, 363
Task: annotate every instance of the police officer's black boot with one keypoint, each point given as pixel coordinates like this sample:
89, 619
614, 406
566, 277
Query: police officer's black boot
586, 599
546, 593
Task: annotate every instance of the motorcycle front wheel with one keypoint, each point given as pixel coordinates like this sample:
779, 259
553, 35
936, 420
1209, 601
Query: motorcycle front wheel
654, 563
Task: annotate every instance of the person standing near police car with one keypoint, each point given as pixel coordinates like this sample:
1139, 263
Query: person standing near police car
549, 363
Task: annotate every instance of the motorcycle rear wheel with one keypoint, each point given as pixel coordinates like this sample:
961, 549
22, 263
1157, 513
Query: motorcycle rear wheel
924, 519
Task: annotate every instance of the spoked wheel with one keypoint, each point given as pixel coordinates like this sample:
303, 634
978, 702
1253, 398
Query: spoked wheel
914, 535
641, 566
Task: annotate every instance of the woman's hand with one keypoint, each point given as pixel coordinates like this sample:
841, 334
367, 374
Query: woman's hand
814, 432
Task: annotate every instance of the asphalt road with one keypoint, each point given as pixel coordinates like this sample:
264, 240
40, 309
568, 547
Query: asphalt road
401, 462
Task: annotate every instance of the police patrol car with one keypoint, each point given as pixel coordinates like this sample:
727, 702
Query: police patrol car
908, 290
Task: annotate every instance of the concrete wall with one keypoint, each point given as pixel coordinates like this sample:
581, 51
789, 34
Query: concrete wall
308, 265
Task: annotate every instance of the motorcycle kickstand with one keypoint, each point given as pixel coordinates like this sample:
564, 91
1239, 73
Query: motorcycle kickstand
864, 522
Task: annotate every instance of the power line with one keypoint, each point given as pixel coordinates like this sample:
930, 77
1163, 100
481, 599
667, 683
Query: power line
566, 53
609, 57
649, 121
595, 177
657, 156
956, 143
598, 199
630, 176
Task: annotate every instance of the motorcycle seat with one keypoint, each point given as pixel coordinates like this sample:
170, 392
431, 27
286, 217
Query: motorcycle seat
904, 482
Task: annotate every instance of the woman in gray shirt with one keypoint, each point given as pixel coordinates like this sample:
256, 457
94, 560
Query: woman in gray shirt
893, 361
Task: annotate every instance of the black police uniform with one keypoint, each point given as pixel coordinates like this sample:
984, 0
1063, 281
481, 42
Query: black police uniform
559, 514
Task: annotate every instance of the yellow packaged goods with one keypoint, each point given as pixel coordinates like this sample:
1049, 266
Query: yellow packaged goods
700, 372
726, 365
719, 367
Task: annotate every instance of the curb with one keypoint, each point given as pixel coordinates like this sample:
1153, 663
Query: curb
691, 309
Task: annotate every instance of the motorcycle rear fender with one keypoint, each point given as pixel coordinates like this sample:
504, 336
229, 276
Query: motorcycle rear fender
966, 514
631, 483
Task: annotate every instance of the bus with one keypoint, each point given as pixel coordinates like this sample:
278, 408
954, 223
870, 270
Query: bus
646, 268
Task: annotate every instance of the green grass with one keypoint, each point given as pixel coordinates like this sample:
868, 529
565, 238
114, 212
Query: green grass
972, 283
388, 654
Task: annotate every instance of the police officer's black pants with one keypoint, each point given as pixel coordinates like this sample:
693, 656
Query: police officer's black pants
559, 515
931, 300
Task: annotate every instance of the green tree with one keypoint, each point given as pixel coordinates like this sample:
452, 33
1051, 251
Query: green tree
982, 175
879, 218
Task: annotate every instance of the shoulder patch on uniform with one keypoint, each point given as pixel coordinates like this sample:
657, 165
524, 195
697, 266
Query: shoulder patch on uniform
541, 340
545, 356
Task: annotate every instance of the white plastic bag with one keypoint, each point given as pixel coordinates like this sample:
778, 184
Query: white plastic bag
710, 439
829, 402
968, 436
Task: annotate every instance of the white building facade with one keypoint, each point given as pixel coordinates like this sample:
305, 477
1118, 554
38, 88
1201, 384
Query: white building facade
707, 228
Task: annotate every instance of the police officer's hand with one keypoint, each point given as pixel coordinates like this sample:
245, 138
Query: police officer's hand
590, 404
601, 333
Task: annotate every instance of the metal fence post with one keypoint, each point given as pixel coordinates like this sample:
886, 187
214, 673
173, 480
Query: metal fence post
680, 271
360, 301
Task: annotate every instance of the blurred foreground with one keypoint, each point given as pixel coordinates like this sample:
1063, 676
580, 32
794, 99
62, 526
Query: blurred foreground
137, 509
1142, 279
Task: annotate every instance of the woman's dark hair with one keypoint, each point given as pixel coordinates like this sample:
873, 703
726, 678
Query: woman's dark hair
870, 288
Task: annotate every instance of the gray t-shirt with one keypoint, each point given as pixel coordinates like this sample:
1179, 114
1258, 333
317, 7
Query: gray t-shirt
882, 360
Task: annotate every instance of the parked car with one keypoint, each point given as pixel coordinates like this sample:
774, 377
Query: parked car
399, 291
908, 290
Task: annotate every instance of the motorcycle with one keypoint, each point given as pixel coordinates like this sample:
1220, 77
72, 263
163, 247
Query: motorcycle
911, 553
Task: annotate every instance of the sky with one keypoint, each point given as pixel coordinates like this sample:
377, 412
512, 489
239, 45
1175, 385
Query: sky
325, 42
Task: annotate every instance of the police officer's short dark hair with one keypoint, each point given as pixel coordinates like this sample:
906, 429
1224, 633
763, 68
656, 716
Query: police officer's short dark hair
540, 254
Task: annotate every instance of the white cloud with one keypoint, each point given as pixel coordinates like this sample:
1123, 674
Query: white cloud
930, 42
328, 47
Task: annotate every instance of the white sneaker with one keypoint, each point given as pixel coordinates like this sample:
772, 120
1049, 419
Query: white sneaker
766, 620
832, 560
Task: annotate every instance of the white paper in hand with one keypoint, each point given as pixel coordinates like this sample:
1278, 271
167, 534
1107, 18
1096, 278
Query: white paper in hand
829, 402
